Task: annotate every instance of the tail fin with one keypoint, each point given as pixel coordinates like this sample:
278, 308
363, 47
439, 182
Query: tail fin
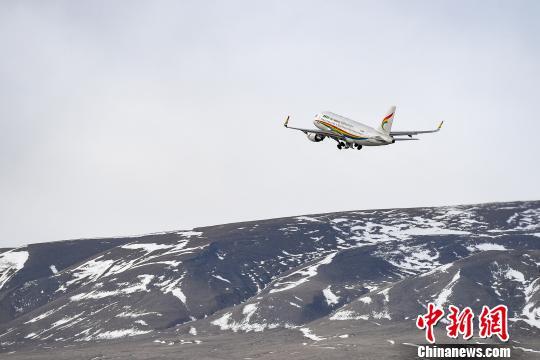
386, 123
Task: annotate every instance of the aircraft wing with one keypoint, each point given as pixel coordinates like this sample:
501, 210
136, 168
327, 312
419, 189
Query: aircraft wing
410, 133
315, 131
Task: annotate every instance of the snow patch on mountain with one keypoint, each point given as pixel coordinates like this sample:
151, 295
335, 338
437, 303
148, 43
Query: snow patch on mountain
433, 231
65, 320
189, 233
174, 287
45, 314
516, 275
348, 315
331, 298
129, 314
226, 322
307, 218
526, 349
96, 294
90, 270
486, 247
443, 268
417, 259
115, 334
301, 276
531, 310
529, 220
445, 294
310, 335
365, 299
148, 247
221, 278
10, 263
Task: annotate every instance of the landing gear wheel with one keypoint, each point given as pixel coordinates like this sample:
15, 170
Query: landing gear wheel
339, 146
359, 147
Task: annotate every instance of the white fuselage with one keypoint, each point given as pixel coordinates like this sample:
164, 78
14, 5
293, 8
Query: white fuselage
354, 132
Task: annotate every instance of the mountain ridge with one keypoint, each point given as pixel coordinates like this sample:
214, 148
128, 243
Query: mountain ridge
143, 234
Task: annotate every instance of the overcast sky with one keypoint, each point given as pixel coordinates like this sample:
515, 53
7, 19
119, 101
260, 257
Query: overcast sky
129, 117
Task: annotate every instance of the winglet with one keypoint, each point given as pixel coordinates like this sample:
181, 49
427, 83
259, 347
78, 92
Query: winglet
440, 125
286, 124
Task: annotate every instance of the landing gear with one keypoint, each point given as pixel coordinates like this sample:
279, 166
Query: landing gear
342, 145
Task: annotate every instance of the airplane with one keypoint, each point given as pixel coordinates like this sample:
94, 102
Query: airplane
352, 134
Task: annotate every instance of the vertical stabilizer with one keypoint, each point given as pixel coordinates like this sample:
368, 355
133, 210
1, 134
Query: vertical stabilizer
386, 123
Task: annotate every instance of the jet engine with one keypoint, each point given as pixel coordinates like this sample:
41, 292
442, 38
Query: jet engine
315, 137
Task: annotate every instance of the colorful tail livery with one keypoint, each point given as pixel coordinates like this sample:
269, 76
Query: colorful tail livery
386, 124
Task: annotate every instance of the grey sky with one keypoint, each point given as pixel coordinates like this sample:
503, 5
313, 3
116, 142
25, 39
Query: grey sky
129, 117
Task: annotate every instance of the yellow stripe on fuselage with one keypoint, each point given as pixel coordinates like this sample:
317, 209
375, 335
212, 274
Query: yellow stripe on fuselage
341, 131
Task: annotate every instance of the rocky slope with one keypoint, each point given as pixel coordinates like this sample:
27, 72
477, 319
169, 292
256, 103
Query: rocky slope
310, 280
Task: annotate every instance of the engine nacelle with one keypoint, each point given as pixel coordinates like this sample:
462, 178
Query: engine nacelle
315, 137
